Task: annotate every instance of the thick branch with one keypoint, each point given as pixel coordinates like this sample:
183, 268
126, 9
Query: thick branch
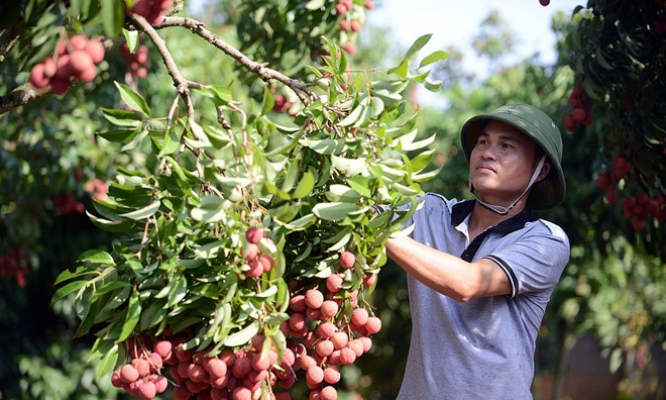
265, 73
21, 96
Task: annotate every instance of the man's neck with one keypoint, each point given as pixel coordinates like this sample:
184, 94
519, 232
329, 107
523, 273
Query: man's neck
482, 218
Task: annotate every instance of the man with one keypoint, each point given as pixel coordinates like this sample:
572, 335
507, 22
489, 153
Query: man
482, 271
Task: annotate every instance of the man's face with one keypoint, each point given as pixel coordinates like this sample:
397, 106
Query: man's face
502, 163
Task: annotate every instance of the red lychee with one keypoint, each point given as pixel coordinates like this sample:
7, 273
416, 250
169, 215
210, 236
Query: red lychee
347, 259
254, 234
314, 298
37, 77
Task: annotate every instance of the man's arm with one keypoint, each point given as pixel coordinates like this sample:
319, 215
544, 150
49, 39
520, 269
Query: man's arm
447, 274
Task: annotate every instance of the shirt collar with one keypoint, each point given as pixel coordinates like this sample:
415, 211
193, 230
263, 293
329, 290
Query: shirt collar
462, 209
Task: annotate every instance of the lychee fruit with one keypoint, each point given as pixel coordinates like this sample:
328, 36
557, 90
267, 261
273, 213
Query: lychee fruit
347, 259
254, 235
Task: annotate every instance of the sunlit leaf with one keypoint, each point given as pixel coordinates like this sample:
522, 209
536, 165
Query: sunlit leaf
142, 213
96, 257
438, 55
243, 336
133, 99
333, 211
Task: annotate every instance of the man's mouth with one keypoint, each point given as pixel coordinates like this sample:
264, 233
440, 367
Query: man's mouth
485, 167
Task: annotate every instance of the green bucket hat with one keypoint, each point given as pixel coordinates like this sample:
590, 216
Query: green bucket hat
549, 192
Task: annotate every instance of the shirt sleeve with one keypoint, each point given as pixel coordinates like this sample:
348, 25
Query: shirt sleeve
534, 262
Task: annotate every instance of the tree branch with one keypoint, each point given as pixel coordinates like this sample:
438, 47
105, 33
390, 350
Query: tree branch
181, 84
21, 96
265, 73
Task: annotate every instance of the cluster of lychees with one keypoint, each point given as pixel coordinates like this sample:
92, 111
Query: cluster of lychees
258, 263
97, 189
151, 10
67, 203
141, 377
636, 208
639, 208
15, 265
349, 21
324, 335
137, 61
324, 332
581, 109
608, 180
76, 59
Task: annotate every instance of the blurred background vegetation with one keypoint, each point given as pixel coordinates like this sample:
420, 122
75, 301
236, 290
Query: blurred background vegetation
609, 303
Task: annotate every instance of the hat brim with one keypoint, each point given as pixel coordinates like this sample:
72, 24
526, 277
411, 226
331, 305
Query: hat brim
547, 193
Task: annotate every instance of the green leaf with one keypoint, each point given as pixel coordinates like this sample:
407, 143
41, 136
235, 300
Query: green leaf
439, 55
407, 146
110, 226
67, 275
111, 286
122, 117
433, 86
305, 186
90, 312
112, 15
152, 315
177, 292
67, 290
211, 209
132, 39
290, 176
325, 146
272, 290
360, 185
405, 190
108, 361
333, 211
377, 105
268, 102
417, 46
337, 192
315, 4
170, 143
96, 257
133, 99
349, 166
132, 317
243, 336
109, 210
301, 223
615, 360
426, 175
221, 95
287, 146
401, 70
341, 240
353, 116
142, 213
119, 135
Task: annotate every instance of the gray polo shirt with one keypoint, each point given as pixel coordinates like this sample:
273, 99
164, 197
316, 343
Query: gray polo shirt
484, 348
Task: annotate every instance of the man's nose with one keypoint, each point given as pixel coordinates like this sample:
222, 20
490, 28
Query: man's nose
488, 152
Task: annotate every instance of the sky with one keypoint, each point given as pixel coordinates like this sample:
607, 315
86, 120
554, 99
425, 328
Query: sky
456, 22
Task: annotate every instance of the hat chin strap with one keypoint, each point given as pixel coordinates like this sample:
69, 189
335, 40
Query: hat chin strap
501, 210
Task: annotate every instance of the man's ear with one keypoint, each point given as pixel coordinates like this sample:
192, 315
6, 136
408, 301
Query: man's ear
545, 169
